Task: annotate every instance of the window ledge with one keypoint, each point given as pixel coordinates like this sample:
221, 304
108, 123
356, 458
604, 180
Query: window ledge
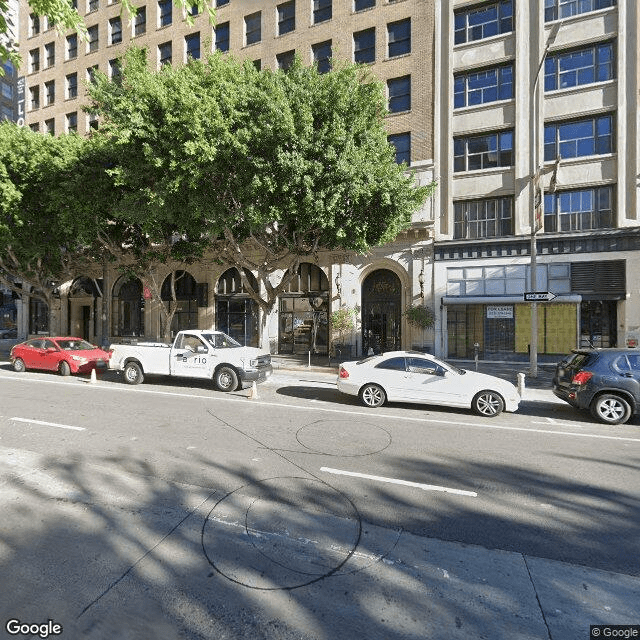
484, 106
481, 41
567, 20
581, 159
482, 172
565, 91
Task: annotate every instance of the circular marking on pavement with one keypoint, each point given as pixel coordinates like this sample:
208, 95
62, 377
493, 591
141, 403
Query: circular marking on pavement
281, 533
344, 438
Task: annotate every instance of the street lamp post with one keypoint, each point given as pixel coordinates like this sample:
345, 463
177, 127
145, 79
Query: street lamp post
536, 215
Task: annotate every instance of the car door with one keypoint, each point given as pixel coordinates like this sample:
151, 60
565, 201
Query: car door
391, 375
190, 357
32, 354
627, 367
427, 382
50, 355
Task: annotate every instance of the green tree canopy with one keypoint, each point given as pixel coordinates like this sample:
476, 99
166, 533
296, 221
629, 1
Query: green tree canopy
263, 167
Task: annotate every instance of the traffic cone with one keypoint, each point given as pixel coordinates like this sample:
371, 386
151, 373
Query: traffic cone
253, 394
93, 378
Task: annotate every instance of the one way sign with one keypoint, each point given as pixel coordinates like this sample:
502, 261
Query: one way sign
539, 296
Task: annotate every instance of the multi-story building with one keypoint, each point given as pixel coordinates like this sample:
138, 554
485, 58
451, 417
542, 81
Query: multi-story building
396, 38
9, 90
544, 88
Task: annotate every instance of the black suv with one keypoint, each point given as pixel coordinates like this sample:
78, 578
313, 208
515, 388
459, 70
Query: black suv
605, 381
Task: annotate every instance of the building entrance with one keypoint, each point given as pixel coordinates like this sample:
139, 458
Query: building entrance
381, 311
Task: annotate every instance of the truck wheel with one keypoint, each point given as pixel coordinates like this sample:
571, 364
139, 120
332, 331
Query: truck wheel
226, 379
133, 373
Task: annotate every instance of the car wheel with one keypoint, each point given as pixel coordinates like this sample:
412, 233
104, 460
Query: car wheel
226, 379
18, 365
372, 395
64, 369
133, 373
611, 409
488, 403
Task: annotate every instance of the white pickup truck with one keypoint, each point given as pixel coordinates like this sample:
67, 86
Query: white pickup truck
194, 353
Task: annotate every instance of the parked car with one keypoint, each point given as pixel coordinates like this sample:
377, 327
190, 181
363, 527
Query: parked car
604, 381
7, 334
64, 355
408, 376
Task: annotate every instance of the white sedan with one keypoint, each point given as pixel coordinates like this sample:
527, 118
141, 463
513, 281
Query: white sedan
412, 376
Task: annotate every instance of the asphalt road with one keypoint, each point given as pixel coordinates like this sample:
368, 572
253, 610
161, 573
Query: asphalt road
276, 494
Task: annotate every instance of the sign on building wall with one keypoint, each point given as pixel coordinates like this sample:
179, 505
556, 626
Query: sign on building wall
20, 92
500, 311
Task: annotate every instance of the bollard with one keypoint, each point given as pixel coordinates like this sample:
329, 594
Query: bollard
521, 384
93, 379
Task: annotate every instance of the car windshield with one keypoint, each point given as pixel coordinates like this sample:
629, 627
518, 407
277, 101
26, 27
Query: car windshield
220, 340
75, 345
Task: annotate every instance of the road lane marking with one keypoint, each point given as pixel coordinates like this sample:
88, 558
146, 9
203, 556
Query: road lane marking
406, 483
48, 424
317, 407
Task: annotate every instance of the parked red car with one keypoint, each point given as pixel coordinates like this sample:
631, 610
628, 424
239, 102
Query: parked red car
64, 355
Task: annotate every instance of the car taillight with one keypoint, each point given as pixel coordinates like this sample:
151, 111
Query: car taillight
344, 374
582, 377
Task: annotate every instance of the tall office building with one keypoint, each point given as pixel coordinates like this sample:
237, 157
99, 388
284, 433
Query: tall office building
9, 87
395, 38
536, 119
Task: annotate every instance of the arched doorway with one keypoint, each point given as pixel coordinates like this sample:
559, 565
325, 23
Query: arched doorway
83, 313
381, 312
236, 312
186, 315
303, 320
128, 307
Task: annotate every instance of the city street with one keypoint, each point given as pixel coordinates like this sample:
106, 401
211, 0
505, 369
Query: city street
173, 511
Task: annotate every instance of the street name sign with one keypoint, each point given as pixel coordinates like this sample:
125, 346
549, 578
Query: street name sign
539, 296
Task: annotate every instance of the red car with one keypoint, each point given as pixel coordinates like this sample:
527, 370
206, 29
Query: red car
64, 355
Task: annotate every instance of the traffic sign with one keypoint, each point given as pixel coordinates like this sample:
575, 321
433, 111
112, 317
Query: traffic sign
539, 296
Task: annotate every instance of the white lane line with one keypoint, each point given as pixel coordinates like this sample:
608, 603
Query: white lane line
319, 407
406, 483
47, 424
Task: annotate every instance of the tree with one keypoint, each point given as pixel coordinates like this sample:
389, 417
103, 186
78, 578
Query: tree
42, 236
63, 15
263, 168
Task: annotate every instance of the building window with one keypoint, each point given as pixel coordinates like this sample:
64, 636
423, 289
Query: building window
34, 98
92, 5
579, 210
35, 127
49, 54
7, 90
588, 137
483, 22
285, 60
364, 45
34, 60
221, 3
581, 66
556, 9
164, 53
402, 144
49, 92
115, 69
253, 28
91, 73
192, 46
140, 21
361, 5
483, 152
92, 34
50, 127
257, 64
34, 25
92, 121
322, 56
286, 17
490, 218
115, 31
399, 90
481, 87
165, 12
72, 86
72, 46
399, 36
222, 36
322, 11
72, 122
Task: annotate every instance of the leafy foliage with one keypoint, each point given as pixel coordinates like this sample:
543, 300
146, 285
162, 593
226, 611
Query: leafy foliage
419, 316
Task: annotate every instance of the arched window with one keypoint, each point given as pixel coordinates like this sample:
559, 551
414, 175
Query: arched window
127, 307
184, 284
236, 312
303, 312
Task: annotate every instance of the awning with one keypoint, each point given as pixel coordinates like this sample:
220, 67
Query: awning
519, 299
